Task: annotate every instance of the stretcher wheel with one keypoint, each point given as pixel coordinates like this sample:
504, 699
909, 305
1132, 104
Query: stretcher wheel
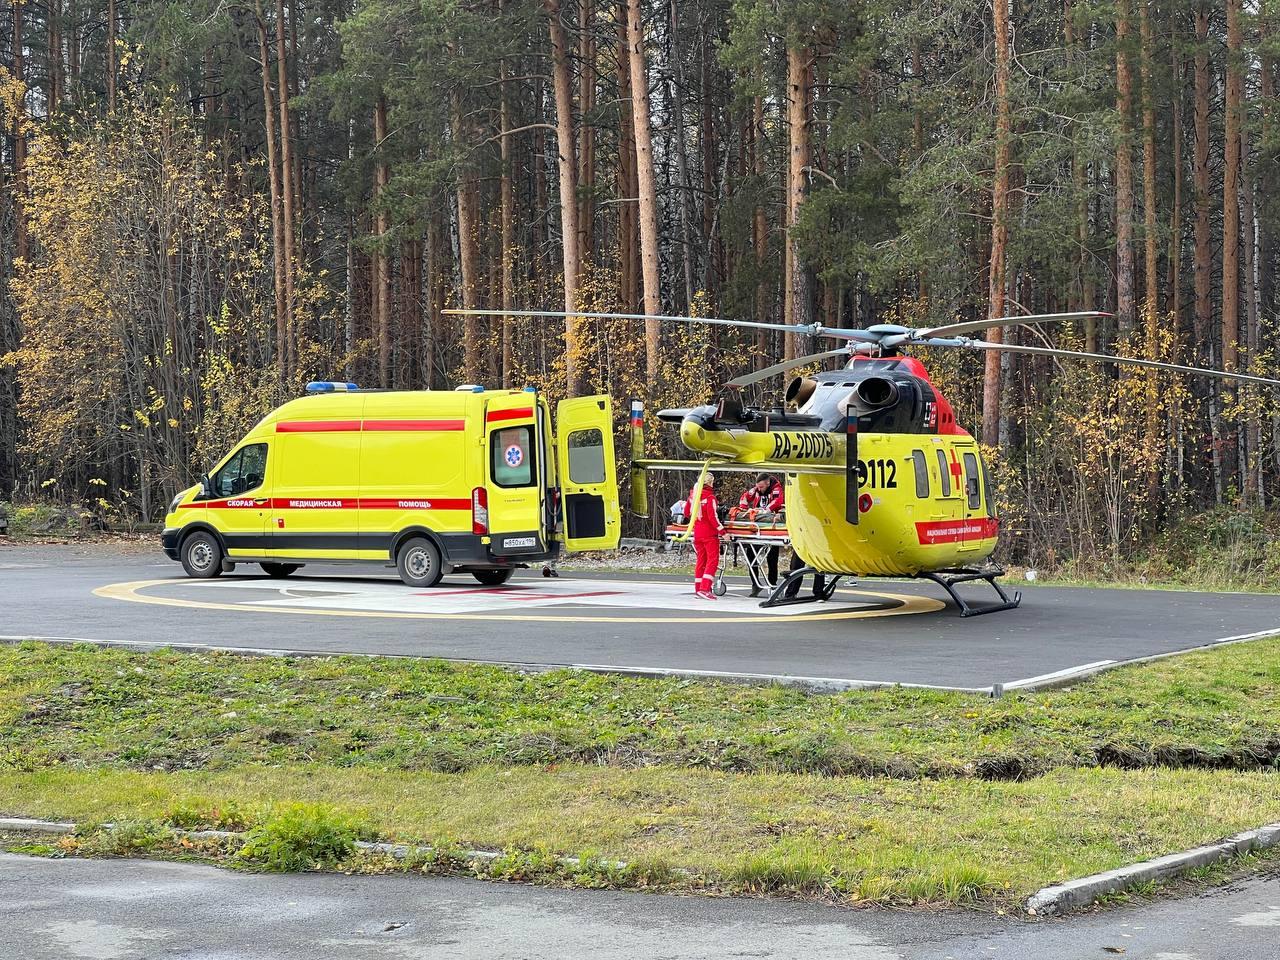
719, 589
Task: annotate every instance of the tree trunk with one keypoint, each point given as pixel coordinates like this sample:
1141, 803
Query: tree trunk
467, 253
1151, 306
286, 189
760, 231
587, 137
562, 81
797, 302
53, 30
1151, 299
682, 157
628, 179
1173, 304
112, 68
1232, 111
20, 242
382, 227
648, 192
410, 325
1124, 175
1268, 169
1202, 262
1231, 194
996, 283
273, 178
507, 219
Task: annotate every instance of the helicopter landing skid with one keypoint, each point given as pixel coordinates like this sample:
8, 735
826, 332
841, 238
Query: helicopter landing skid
947, 579
787, 592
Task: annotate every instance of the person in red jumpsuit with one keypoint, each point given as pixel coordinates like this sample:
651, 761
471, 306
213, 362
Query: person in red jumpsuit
765, 496
707, 531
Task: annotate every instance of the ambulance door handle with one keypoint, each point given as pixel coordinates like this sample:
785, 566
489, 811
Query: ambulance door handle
260, 501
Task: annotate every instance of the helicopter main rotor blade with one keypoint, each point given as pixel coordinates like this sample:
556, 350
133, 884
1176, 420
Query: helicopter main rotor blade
767, 372
975, 326
1107, 358
813, 330
588, 315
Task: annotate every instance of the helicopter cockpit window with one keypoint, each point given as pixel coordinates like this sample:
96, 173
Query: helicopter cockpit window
972, 483
922, 473
944, 470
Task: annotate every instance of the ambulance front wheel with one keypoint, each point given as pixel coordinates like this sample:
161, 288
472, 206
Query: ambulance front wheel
419, 563
493, 578
202, 555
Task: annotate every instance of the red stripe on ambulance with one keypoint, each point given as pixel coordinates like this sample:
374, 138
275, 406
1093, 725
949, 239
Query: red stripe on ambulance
428, 426
318, 426
373, 426
955, 531
414, 503
519, 413
337, 503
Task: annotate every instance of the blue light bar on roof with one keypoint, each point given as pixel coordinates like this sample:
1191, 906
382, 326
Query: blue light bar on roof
330, 386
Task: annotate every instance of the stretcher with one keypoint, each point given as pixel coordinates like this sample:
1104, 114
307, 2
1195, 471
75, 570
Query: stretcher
755, 537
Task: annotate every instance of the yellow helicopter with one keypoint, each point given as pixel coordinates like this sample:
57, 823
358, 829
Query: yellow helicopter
880, 479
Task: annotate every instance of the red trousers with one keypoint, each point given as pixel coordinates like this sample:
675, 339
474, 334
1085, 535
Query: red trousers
704, 571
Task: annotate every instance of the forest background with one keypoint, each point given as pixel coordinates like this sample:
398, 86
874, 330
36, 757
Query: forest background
207, 203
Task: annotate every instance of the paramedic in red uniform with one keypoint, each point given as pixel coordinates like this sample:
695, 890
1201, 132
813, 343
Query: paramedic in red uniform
707, 530
764, 496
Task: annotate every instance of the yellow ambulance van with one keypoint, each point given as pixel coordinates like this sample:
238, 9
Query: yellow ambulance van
432, 482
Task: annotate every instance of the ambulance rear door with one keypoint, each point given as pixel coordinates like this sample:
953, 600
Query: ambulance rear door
513, 453
587, 473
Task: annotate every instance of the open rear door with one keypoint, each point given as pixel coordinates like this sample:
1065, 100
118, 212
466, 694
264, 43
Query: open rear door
588, 473
515, 475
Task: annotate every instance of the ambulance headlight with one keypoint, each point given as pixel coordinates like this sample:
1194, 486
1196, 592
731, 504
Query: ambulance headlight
176, 501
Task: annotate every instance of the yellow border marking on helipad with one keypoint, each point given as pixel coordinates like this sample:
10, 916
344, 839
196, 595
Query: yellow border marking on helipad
130, 591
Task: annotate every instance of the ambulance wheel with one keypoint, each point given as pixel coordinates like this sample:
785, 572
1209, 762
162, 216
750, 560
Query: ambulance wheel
719, 588
493, 578
202, 555
419, 563
279, 570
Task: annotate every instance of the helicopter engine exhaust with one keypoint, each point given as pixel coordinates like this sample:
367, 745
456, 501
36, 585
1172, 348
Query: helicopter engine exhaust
874, 393
799, 390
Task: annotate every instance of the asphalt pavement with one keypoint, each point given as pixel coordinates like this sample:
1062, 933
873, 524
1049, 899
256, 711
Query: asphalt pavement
620, 621
140, 910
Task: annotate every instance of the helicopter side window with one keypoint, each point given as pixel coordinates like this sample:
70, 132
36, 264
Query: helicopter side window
922, 474
972, 485
944, 471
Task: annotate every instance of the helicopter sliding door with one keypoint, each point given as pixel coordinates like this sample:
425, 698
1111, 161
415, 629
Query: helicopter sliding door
979, 518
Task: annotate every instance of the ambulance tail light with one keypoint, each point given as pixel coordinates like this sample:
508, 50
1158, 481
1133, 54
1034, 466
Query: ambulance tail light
479, 511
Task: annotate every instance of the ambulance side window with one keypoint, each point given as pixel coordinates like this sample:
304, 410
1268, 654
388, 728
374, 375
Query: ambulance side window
245, 471
922, 474
586, 456
511, 457
944, 469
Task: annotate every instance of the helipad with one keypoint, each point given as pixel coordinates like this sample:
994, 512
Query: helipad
563, 599
874, 633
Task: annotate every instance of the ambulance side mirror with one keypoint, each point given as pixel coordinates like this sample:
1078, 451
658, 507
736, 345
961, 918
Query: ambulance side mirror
204, 487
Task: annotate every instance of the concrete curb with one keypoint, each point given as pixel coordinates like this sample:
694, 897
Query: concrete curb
399, 851
1074, 894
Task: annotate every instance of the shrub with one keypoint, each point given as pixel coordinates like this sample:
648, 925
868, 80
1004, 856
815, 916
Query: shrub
302, 837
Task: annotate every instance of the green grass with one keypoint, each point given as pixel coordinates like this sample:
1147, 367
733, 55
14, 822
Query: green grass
944, 841
887, 796
173, 711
